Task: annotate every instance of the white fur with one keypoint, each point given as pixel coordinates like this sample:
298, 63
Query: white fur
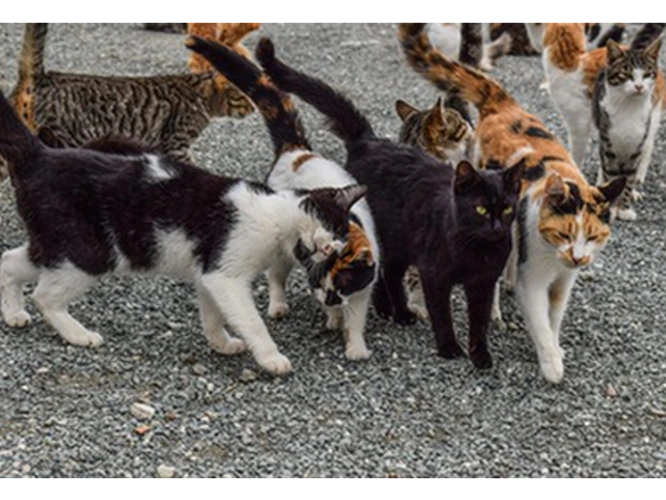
447, 38
156, 171
535, 33
317, 173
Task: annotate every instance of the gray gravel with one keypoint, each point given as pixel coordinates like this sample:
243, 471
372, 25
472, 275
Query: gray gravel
65, 411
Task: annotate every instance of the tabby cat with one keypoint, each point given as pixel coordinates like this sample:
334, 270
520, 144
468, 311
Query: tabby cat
454, 225
563, 222
344, 283
89, 213
165, 112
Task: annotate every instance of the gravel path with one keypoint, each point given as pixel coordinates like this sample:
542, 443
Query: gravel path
65, 411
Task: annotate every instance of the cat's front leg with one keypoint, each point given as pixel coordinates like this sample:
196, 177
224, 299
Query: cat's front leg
16, 270
479, 305
579, 125
438, 301
625, 210
334, 318
496, 310
355, 314
233, 297
558, 294
535, 304
415, 298
277, 276
213, 326
393, 275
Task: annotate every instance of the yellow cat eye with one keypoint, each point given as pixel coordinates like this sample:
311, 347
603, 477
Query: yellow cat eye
508, 210
481, 210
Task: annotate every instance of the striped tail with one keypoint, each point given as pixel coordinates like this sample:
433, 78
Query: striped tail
276, 107
345, 120
17, 143
450, 76
30, 68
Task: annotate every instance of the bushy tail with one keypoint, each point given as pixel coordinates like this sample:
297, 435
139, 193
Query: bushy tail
276, 107
17, 143
448, 75
646, 35
30, 67
345, 120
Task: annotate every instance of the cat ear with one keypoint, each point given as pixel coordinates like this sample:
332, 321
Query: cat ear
466, 177
513, 176
404, 110
438, 112
614, 50
555, 186
652, 50
613, 189
346, 197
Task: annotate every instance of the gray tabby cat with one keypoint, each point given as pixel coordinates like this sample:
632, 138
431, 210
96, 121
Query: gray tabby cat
167, 113
627, 105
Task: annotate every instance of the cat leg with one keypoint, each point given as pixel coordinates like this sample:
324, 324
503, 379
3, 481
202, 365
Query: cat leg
393, 275
579, 135
15, 271
496, 310
334, 318
355, 314
625, 211
415, 298
233, 297
511, 266
380, 297
535, 304
55, 290
438, 301
277, 278
558, 295
479, 305
213, 326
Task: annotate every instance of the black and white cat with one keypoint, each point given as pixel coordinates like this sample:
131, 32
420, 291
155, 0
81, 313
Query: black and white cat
89, 213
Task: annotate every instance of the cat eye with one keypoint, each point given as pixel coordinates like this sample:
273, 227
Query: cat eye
564, 236
481, 210
508, 210
592, 238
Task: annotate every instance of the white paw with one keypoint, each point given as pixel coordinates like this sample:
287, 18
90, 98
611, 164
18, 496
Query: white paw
86, 339
357, 352
544, 85
627, 214
553, 369
228, 347
637, 195
275, 363
420, 311
19, 319
333, 322
278, 310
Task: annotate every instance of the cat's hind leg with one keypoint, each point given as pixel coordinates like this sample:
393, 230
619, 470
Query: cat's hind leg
355, 314
212, 322
334, 318
233, 297
277, 279
16, 270
415, 298
579, 125
55, 290
393, 276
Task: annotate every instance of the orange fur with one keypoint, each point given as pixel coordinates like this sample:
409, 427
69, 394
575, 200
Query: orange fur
358, 247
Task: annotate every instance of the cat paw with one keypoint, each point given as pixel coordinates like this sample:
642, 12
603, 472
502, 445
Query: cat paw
626, 214
275, 363
637, 195
481, 359
383, 308
552, 369
333, 322
544, 85
405, 318
278, 310
357, 352
18, 319
229, 347
86, 339
450, 351
420, 311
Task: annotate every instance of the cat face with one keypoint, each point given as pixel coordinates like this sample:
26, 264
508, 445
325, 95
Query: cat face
486, 200
440, 131
632, 73
574, 223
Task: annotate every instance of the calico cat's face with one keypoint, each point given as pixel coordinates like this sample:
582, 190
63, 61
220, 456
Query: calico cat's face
440, 131
486, 200
574, 223
632, 73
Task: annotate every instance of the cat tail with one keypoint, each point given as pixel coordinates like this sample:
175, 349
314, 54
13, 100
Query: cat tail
17, 142
646, 35
450, 76
30, 68
276, 107
471, 44
345, 120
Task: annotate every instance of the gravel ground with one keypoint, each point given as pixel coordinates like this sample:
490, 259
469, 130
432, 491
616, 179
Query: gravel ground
65, 411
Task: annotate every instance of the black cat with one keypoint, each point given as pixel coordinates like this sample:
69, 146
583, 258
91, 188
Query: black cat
454, 225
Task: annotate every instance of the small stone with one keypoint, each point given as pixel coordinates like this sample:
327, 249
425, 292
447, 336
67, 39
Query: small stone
43, 369
611, 392
248, 375
166, 471
142, 411
228, 475
657, 413
142, 429
171, 416
199, 369
174, 326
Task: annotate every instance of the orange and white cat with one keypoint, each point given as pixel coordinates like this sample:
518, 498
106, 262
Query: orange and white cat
563, 222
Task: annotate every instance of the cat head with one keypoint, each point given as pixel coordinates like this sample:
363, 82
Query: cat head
327, 227
440, 131
486, 201
632, 72
575, 219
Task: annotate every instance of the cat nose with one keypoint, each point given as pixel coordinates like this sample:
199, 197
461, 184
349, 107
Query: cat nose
639, 87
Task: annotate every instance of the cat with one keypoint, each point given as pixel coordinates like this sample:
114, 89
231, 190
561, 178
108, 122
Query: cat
450, 38
344, 287
229, 34
562, 221
166, 112
626, 107
443, 133
598, 34
453, 224
572, 73
520, 40
89, 213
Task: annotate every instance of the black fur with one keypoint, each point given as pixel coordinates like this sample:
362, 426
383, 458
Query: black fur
426, 215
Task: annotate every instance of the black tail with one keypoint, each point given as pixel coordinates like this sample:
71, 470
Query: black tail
646, 35
346, 121
17, 143
275, 106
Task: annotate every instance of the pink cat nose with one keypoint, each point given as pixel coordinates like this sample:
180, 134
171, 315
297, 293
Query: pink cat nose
639, 87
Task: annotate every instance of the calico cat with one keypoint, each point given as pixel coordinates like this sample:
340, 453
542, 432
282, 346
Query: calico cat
626, 107
344, 284
562, 222
573, 73
443, 133
165, 112
229, 34
89, 213
453, 224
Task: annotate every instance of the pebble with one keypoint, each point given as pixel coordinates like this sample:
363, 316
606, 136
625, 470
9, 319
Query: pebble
166, 471
248, 375
199, 369
611, 392
142, 411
